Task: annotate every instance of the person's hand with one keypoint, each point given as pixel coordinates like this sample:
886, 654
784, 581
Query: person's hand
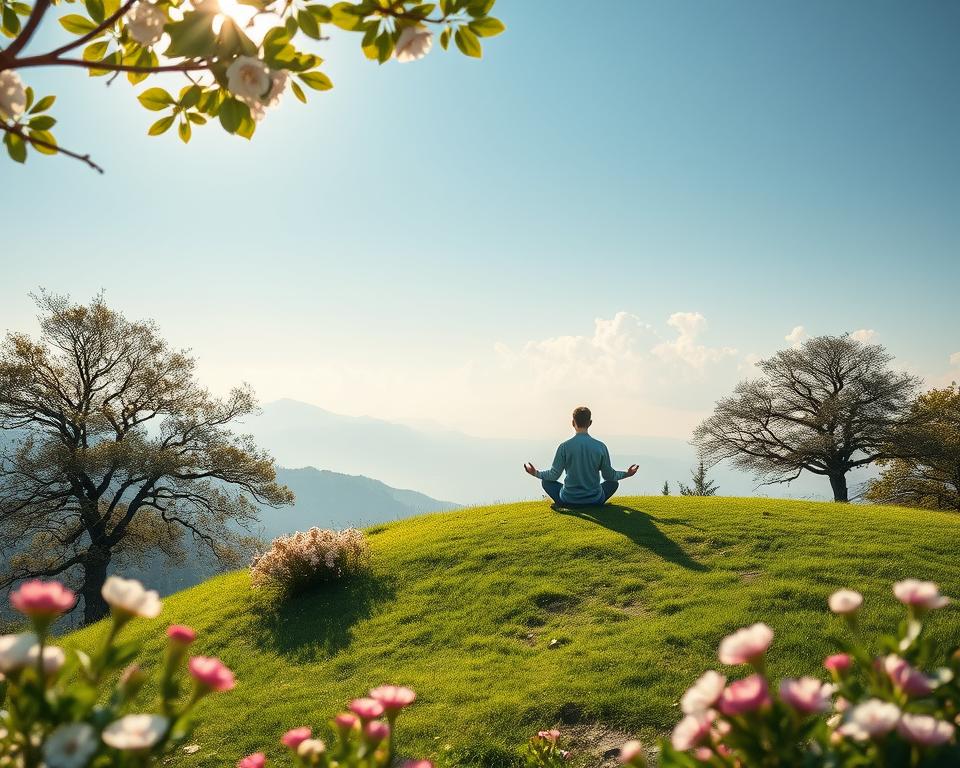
531, 470
632, 470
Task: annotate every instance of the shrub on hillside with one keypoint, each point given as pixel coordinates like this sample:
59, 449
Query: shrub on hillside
302, 560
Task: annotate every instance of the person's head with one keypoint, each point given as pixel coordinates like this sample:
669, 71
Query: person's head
581, 417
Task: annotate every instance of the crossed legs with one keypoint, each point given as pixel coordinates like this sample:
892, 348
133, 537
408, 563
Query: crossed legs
552, 489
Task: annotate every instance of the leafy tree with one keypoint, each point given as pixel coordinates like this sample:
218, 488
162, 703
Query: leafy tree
228, 76
826, 407
701, 485
665, 491
931, 477
118, 451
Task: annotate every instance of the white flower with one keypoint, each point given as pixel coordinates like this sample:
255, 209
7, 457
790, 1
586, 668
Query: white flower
129, 597
871, 719
15, 651
135, 731
70, 746
53, 658
13, 96
703, 694
845, 601
247, 78
145, 23
414, 43
921, 594
311, 748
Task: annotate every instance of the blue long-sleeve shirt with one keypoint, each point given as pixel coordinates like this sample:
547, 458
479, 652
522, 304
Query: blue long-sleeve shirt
585, 460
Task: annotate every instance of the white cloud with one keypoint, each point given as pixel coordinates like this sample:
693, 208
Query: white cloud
865, 335
689, 325
955, 358
797, 336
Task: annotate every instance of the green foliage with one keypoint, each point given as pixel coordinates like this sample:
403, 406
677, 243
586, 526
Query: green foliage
238, 79
701, 485
32, 129
462, 607
665, 491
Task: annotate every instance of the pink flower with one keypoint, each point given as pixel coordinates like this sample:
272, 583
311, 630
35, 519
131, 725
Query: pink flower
181, 635
703, 754
838, 663
631, 751
393, 697
747, 695
690, 732
919, 594
366, 709
746, 646
925, 730
294, 736
376, 731
703, 694
806, 695
345, 721
256, 760
417, 764
211, 673
870, 719
908, 679
551, 735
43, 599
845, 602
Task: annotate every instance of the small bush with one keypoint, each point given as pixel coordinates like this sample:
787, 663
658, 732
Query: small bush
302, 560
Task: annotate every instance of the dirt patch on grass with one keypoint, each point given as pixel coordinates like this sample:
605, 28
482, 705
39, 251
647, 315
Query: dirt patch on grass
555, 603
594, 745
635, 609
749, 577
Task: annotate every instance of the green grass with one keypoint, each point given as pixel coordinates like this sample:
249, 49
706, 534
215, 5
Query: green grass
462, 606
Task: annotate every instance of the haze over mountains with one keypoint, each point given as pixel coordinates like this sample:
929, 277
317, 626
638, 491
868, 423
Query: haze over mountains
470, 470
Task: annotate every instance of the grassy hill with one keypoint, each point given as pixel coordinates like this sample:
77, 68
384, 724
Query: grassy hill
464, 606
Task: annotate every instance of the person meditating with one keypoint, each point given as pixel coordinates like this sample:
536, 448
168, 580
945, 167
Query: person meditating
585, 460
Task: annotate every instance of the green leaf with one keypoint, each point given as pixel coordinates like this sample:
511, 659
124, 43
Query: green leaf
184, 131
487, 27
196, 117
298, 92
233, 41
193, 36
445, 38
46, 137
16, 147
316, 80
95, 9
96, 51
308, 23
384, 47
346, 16
232, 113
321, 13
29, 93
422, 11
77, 24
145, 58
42, 122
11, 27
43, 105
161, 126
22, 9
190, 96
247, 126
114, 58
477, 8
155, 99
468, 42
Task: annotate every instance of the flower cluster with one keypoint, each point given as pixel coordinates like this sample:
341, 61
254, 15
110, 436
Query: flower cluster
880, 707
58, 719
364, 735
302, 560
543, 750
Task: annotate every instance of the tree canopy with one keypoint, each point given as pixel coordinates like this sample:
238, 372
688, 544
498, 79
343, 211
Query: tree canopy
826, 407
230, 74
117, 450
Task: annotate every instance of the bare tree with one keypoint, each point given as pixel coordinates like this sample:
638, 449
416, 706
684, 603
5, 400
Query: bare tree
826, 407
118, 450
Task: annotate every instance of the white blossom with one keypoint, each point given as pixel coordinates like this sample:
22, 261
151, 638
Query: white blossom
53, 658
70, 746
15, 651
13, 96
145, 23
135, 732
248, 78
128, 596
414, 43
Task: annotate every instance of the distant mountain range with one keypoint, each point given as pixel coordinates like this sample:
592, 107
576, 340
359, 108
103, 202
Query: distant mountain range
450, 465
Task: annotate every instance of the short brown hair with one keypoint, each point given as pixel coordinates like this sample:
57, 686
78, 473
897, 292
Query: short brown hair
581, 416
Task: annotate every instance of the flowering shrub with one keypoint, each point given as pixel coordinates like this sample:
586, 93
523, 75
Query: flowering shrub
543, 750
881, 707
61, 714
301, 560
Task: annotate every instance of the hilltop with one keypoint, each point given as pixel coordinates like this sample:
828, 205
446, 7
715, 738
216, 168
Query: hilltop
511, 618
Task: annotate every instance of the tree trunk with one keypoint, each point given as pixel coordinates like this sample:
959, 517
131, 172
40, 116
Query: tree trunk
839, 484
94, 575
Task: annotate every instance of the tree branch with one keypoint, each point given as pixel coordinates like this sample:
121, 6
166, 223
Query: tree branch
16, 130
49, 60
8, 56
107, 23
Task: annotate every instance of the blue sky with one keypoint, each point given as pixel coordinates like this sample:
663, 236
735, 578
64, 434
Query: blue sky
437, 240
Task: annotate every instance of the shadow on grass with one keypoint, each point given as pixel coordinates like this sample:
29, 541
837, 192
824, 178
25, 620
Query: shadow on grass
639, 527
319, 622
